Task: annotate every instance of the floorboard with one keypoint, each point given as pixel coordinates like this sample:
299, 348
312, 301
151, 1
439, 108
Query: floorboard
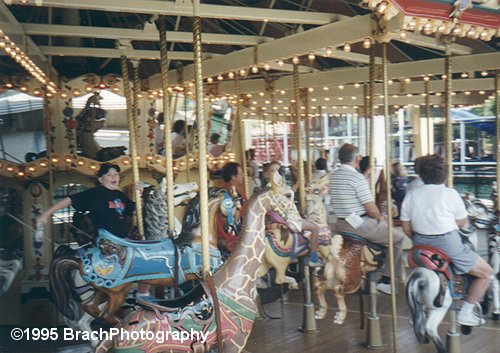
281, 334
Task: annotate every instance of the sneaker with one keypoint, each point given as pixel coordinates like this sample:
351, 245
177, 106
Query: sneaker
384, 288
469, 319
318, 263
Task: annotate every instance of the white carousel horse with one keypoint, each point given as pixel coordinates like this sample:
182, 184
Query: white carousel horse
422, 288
429, 292
494, 261
155, 209
225, 311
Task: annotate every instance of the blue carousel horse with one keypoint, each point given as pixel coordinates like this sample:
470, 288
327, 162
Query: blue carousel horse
110, 268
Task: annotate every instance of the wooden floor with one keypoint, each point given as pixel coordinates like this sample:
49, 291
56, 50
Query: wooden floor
281, 334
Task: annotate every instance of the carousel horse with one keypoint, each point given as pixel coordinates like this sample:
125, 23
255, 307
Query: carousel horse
430, 290
11, 252
156, 212
92, 118
494, 261
283, 245
219, 313
348, 257
114, 264
428, 293
155, 221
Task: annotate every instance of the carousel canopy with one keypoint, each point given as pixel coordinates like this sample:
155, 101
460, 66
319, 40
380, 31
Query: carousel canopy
258, 40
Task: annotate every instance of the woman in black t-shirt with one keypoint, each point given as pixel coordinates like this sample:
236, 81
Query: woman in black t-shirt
108, 206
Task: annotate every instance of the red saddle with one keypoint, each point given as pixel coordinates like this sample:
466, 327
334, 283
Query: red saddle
430, 258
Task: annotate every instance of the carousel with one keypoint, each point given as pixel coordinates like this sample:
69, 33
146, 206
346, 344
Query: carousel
172, 93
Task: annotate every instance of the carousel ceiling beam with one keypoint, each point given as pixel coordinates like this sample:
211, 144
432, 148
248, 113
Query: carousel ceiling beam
415, 87
342, 55
143, 54
150, 33
350, 30
11, 27
433, 43
401, 100
474, 62
172, 8
116, 53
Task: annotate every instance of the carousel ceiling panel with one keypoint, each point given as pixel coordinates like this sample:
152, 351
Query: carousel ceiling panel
464, 10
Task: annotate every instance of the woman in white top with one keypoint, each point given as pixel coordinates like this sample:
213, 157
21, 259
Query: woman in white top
431, 215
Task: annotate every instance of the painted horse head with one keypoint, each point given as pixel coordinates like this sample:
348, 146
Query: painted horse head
155, 208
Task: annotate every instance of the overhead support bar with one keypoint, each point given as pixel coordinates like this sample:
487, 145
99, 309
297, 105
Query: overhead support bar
171, 8
115, 53
149, 33
476, 62
432, 43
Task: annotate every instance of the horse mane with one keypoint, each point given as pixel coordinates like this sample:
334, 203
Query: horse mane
191, 218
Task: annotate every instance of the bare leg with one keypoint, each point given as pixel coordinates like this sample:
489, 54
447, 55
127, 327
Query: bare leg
482, 271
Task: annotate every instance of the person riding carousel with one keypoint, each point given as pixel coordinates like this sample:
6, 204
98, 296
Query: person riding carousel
110, 209
431, 215
356, 211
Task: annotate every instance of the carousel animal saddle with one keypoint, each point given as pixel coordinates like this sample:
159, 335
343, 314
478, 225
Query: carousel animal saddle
277, 234
197, 303
115, 261
437, 261
372, 254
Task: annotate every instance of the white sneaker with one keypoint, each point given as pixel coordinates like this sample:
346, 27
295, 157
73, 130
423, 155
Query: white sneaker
384, 288
469, 319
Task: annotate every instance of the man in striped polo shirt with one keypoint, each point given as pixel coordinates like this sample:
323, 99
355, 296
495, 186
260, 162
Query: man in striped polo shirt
351, 198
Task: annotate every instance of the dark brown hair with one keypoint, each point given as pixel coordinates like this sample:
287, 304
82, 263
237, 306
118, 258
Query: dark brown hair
105, 167
432, 169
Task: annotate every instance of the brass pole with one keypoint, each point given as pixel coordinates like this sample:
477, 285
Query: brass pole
366, 110
169, 164
273, 123
390, 247
48, 138
273, 116
241, 124
264, 130
202, 140
300, 162
497, 138
135, 102
428, 114
371, 99
133, 143
188, 135
307, 127
448, 136
322, 132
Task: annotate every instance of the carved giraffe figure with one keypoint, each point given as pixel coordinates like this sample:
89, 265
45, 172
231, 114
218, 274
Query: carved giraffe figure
235, 288
282, 245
